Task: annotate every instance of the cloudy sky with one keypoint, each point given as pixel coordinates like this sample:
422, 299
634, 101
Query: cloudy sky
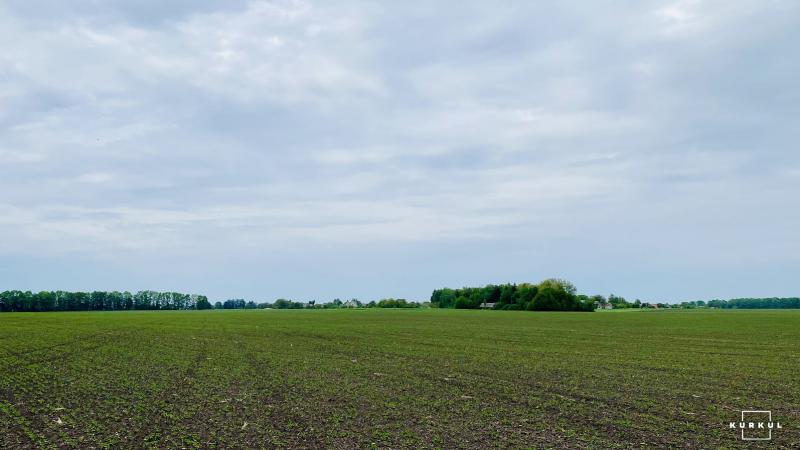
315, 150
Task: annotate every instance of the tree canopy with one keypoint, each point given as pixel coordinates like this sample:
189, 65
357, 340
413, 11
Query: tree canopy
755, 303
99, 301
549, 295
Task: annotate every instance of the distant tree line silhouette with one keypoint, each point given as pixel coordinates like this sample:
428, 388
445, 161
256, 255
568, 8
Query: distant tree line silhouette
283, 303
549, 295
22, 301
756, 303
27, 301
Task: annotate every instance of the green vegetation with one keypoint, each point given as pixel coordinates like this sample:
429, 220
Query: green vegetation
408, 378
394, 303
26, 301
282, 303
549, 295
756, 303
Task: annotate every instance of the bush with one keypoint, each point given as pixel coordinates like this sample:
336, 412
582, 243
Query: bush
396, 303
462, 303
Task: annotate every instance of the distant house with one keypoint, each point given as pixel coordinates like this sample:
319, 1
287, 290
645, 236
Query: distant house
650, 305
487, 305
608, 306
350, 304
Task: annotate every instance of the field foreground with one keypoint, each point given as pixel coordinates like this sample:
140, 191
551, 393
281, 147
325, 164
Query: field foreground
398, 379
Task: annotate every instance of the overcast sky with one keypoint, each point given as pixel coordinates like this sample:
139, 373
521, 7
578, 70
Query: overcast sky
314, 150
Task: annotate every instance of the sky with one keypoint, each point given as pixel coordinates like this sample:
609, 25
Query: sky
338, 149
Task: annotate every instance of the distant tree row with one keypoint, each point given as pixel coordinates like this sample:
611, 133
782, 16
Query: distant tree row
27, 301
393, 303
549, 295
738, 303
283, 303
756, 303
280, 303
99, 301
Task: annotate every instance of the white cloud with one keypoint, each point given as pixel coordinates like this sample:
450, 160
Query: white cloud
680, 16
262, 128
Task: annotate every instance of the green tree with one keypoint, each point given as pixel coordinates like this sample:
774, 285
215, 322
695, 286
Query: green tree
547, 299
203, 303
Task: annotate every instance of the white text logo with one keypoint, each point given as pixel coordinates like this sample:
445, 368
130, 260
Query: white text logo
756, 425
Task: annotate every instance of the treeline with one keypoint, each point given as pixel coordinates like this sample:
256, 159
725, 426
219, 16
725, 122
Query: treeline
27, 301
283, 303
393, 303
278, 304
549, 295
22, 301
756, 303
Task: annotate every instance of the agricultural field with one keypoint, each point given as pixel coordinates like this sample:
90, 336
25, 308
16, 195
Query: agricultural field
395, 379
